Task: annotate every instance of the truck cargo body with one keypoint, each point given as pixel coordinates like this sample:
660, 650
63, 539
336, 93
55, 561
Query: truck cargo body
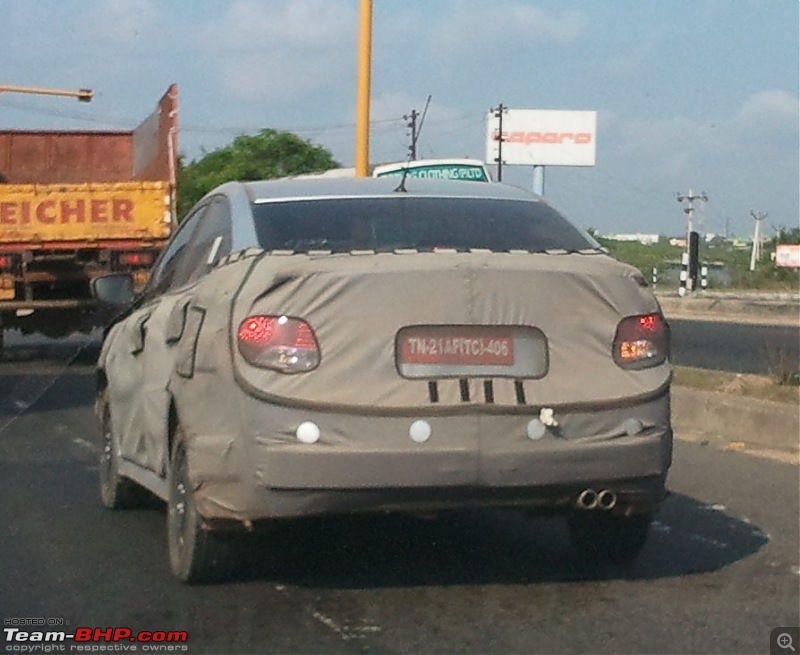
76, 205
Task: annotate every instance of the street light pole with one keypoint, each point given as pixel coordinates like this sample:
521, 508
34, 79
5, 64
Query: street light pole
364, 73
83, 95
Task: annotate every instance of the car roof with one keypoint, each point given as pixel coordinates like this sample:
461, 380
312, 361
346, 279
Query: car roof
287, 189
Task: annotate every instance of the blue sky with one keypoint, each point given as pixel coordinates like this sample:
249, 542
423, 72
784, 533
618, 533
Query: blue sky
699, 94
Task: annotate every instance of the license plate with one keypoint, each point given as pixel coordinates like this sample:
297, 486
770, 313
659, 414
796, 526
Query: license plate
479, 346
458, 350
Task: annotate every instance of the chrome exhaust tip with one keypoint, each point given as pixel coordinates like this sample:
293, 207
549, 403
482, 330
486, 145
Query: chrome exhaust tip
606, 499
587, 499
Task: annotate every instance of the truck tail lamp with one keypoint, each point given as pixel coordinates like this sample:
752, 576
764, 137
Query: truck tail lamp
280, 343
9, 262
136, 258
641, 341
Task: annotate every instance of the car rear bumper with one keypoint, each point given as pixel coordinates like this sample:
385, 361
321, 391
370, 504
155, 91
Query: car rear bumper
363, 463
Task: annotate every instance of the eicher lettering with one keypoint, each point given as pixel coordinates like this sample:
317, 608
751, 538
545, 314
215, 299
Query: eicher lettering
50, 211
577, 138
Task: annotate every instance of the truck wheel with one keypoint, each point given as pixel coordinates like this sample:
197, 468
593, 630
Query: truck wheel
196, 554
601, 538
116, 492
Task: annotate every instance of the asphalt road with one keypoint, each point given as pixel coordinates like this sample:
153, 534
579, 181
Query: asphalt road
735, 347
720, 571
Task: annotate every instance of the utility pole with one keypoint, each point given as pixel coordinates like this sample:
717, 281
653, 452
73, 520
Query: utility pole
416, 129
498, 114
412, 125
690, 257
755, 254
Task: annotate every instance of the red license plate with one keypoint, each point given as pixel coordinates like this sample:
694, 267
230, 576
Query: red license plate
456, 345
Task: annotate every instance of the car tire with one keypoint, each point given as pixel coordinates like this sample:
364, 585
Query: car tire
601, 538
196, 554
116, 492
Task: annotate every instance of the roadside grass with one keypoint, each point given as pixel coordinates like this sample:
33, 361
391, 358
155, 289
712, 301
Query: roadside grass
764, 387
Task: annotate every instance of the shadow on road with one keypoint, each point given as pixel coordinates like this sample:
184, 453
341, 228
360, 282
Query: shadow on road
484, 547
20, 393
50, 351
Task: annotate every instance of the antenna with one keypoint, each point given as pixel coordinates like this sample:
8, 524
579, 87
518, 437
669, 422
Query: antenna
412, 149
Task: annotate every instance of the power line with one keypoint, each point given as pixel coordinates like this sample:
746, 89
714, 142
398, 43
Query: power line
217, 129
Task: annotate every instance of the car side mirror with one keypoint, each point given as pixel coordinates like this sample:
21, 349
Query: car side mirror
115, 289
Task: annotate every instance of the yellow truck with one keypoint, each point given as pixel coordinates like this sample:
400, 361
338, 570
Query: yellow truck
78, 204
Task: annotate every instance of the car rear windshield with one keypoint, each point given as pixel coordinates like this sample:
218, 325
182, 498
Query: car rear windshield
387, 224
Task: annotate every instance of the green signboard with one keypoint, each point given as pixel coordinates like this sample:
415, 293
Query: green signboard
468, 172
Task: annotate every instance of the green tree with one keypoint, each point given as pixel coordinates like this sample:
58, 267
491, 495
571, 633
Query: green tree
266, 155
787, 235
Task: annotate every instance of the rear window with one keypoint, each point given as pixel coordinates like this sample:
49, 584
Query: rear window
387, 224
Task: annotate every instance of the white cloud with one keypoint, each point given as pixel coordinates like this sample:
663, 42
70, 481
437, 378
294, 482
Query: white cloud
122, 22
774, 107
471, 27
279, 51
766, 119
726, 155
391, 105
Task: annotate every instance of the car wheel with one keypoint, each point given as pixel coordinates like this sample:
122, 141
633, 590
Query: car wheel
116, 492
608, 539
196, 554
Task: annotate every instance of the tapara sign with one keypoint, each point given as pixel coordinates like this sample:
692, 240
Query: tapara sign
541, 137
787, 256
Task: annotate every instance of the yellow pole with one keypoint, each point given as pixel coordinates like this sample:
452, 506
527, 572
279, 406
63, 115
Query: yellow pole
362, 104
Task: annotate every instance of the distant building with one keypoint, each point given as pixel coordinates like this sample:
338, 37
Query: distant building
644, 239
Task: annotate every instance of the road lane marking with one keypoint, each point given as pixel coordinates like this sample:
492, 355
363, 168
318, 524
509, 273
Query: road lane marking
346, 632
83, 443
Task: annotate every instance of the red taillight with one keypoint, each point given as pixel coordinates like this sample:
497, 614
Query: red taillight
5, 261
136, 258
641, 341
278, 342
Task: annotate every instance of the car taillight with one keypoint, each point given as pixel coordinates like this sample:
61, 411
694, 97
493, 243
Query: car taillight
136, 258
5, 261
641, 341
281, 343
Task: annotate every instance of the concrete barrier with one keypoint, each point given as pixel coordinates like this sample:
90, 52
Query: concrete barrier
727, 418
779, 309
760, 423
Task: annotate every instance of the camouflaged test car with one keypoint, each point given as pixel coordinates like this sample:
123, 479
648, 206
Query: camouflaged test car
310, 347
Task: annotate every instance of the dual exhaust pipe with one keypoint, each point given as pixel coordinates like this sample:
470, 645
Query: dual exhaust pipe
604, 499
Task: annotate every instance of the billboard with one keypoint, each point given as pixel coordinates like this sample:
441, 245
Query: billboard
540, 137
787, 256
